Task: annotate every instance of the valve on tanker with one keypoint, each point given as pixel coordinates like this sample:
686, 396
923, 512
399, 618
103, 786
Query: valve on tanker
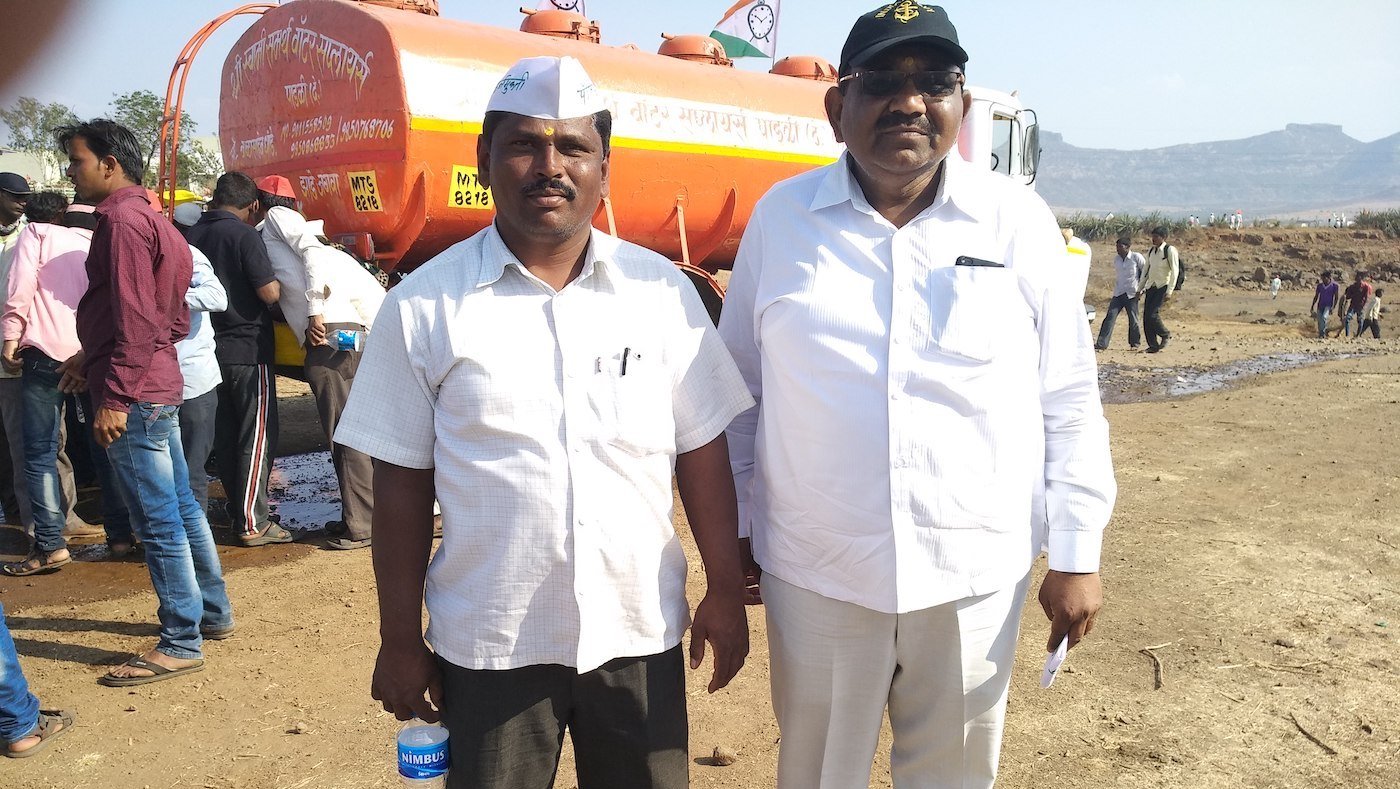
805, 67
560, 24
697, 49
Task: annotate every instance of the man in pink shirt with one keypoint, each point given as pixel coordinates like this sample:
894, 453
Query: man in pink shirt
47, 280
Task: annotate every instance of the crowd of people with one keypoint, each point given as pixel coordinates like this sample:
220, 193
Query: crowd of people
1359, 306
1150, 280
854, 446
158, 334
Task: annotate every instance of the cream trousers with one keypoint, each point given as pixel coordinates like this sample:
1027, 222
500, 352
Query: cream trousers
943, 673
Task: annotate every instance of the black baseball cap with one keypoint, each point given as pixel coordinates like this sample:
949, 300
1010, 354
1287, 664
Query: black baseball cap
900, 23
15, 184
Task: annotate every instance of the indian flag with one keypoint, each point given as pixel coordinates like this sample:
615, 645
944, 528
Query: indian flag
749, 29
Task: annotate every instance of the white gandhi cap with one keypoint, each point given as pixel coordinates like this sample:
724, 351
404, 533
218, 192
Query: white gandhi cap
548, 88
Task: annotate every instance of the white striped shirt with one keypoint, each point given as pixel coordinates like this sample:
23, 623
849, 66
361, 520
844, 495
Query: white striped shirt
919, 421
552, 421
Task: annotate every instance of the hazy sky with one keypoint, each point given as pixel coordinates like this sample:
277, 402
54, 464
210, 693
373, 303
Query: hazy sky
1124, 74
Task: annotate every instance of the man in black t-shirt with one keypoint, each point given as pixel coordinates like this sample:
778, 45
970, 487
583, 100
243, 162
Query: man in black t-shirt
245, 428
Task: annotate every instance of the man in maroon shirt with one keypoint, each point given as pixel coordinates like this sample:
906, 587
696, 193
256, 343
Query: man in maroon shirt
128, 322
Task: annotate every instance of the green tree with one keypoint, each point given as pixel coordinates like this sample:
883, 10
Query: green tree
141, 112
31, 125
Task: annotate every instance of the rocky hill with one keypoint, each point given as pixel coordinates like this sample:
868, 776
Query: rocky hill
1303, 169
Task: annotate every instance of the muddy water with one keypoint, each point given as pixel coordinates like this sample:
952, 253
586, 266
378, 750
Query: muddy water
1129, 384
303, 493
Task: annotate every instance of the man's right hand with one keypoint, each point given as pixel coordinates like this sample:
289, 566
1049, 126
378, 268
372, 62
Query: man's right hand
9, 358
316, 330
403, 675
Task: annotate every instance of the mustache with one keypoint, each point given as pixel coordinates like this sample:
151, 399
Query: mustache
550, 185
902, 119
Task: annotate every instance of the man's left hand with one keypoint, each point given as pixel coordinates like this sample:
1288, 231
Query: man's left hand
1071, 601
720, 620
108, 426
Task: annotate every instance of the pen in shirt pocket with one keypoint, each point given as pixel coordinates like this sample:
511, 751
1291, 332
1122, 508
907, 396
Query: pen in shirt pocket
622, 359
964, 260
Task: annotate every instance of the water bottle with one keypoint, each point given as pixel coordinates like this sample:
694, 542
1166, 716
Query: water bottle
348, 340
423, 755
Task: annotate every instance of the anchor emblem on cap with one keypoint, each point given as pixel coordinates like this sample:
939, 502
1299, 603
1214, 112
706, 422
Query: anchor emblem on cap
906, 11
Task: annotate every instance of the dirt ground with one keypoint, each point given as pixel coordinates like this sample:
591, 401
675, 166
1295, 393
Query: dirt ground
1255, 550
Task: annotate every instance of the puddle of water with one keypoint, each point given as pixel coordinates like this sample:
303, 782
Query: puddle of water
1119, 384
303, 491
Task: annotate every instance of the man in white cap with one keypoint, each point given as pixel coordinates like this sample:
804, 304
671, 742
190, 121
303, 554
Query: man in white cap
544, 379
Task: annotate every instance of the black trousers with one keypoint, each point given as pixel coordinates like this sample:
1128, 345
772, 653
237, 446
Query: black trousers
1375, 327
626, 719
197, 416
1116, 305
1152, 319
245, 434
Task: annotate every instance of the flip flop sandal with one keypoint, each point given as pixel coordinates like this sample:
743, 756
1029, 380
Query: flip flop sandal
271, 534
161, 673
44, 565
46, 731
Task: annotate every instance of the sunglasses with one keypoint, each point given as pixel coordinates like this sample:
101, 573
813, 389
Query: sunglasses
930, 84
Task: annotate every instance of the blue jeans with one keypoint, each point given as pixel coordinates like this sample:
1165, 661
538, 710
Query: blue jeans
1322, 315
148, 464
42, 418
19, 709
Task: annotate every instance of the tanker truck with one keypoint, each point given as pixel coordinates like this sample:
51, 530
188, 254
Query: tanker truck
372, 109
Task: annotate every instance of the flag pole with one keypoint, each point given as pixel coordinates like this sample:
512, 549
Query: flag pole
777, 16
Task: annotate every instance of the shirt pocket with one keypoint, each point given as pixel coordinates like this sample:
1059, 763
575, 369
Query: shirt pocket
970, 310
635, 393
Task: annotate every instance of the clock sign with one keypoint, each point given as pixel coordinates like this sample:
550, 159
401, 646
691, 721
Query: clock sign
761, 18
567, 5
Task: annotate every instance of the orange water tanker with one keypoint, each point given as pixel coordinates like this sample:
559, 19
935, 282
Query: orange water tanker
373, 113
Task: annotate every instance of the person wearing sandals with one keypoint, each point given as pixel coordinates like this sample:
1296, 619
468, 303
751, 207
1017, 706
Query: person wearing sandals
139, 269
245, 425
47, 281
26, 728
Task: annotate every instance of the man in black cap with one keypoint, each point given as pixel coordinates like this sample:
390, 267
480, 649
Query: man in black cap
928, 419
14, 196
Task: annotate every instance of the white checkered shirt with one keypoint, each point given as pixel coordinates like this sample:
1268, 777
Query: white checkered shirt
552, 421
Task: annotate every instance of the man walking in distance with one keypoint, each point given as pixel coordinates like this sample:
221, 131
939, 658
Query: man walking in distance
1157, 285
1323, 300
1128, 267
245, 428
1354, 300
542, 377
908, 452
128, 323
324, 292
